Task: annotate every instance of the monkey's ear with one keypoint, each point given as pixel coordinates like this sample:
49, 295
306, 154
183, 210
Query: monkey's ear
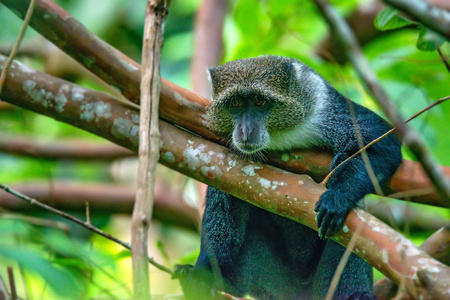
211, 73
297, 70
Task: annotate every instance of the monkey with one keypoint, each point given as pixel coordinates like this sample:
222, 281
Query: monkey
278, 103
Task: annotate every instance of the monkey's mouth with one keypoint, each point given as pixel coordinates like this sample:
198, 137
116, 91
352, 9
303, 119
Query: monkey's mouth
248, 148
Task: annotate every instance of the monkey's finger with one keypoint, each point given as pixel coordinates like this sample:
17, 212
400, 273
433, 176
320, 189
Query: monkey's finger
325, 224
320, 217
332, 228
317, 207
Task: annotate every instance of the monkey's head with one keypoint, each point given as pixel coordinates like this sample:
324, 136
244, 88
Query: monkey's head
255, 99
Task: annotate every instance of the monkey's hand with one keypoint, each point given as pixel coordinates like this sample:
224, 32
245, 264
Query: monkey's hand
197, 283
332, 211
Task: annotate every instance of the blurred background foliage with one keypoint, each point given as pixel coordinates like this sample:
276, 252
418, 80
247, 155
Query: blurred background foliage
54, 259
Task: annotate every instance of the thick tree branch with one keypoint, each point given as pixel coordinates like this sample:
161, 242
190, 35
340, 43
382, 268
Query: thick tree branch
280, 192
437, 245
428, 14
178, 105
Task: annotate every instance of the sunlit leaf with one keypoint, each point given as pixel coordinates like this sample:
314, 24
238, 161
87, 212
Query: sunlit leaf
388, 19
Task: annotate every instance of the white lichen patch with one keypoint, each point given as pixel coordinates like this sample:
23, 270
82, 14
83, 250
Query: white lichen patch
128, 66
205, 157
24, 69
211, 172
301, 182
384, 257
345, 229
231, 164
250, 170
134, 130
46, 98
60, 101
192, 156
185, 102
135, 117
377, 229
265, 183
121, 129
95, 111
77, 93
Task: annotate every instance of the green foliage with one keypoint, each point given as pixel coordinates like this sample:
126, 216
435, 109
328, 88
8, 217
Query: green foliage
389, 19
429, 40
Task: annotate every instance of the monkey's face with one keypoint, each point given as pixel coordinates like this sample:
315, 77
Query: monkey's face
249, 114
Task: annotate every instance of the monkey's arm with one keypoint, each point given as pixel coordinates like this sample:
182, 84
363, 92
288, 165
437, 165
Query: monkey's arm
351, 181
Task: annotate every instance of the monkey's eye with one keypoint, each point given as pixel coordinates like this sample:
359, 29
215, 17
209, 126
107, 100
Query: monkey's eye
235, 103
260, 101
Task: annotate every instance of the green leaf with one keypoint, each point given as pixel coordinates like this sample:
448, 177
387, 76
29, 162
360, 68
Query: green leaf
59, 279
429, 40
388, 19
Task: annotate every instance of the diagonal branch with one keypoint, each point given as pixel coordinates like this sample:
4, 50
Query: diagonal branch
275, 190
178, 105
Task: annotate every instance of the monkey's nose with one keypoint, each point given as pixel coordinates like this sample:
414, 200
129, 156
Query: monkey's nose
246, 131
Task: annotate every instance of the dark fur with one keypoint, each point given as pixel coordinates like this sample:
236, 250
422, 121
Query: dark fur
246, 250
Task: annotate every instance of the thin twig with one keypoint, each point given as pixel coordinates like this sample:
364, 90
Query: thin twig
17, 44
365, 156
444, 59
79, 222
12, 284
342, 263
324, 182
149, 138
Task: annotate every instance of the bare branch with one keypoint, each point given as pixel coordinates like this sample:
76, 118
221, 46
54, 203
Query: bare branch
69, 149
428, 14
362, 67
208, 42
149, 138
180, 107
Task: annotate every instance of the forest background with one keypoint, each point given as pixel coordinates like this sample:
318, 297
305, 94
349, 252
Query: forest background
50, 254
